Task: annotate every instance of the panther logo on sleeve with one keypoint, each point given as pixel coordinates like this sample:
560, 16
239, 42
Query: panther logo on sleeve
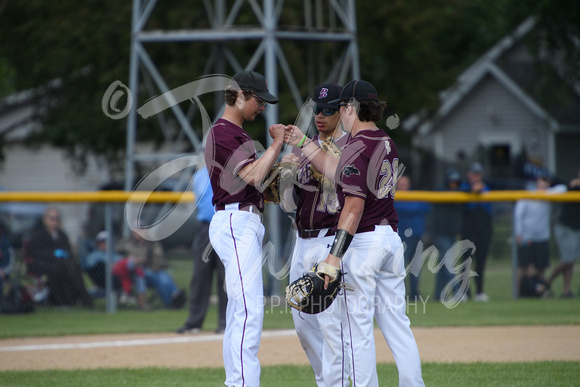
350, 170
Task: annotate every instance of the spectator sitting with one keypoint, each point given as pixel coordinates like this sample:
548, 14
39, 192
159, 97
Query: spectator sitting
130, 273
154, 264
50, 253
411, 229
96, 263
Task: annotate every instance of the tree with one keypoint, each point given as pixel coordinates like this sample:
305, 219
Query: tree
559, 23
414, 49
70, 52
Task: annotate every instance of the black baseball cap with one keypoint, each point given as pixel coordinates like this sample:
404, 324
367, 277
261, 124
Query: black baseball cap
256, 83
327, 95
359, 90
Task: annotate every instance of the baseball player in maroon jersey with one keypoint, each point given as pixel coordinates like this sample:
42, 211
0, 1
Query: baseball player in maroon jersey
316, 214
236, 230
374, 263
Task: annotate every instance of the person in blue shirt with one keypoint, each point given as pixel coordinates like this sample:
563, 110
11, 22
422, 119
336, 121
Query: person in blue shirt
205, 262
411, 228
444, 227
96, 262
478, 226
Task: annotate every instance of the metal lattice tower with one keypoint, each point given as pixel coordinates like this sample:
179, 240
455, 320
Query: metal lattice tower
324, 21
341, 29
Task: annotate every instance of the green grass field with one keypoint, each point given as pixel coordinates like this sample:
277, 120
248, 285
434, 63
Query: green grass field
502, 310
540, 374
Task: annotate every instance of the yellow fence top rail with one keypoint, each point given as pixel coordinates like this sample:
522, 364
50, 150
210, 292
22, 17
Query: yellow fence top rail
160, 197
97, 196
490, 196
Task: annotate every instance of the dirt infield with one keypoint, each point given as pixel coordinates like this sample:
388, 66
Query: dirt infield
450, 344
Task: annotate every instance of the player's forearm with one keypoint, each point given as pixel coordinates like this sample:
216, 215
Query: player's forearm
349, 220
322, 161
257, 171
351, 214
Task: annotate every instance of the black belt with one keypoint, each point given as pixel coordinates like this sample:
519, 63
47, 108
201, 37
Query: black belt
309, 234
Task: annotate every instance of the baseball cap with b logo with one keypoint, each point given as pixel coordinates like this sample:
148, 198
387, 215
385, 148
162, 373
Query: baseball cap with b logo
256, 83
324, 95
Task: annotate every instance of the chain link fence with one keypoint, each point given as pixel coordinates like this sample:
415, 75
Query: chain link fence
64, 249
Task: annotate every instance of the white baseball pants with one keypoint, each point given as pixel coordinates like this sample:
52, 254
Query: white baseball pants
374, 264
237, 238
321, 335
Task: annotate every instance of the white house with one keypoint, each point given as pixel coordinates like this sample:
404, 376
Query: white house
497, 114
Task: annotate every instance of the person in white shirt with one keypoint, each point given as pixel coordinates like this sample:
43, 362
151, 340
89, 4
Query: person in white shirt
532, 231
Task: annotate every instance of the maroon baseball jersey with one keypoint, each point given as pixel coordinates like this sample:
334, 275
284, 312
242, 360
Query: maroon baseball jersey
228, 150
367, 169
316, 208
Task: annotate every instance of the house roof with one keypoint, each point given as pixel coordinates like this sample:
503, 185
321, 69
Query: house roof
489, 65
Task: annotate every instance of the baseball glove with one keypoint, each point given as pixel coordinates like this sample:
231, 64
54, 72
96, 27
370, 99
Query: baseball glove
279, 176
307, 293
330, 147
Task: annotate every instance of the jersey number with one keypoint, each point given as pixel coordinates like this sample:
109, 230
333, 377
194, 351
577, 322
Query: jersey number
328, 202
388, 178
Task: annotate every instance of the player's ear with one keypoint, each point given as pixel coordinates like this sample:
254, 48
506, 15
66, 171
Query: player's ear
241, 100
350, 110
354, 105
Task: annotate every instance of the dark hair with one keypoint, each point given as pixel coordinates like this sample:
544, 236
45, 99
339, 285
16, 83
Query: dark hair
371, 110
231, 96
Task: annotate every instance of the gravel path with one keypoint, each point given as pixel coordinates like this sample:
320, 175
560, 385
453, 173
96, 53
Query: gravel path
447, 345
